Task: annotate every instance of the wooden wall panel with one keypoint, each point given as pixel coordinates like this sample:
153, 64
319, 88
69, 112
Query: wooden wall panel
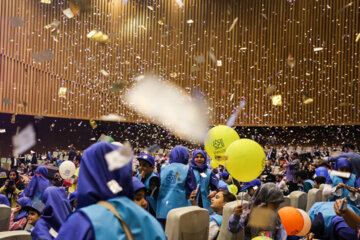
254, 56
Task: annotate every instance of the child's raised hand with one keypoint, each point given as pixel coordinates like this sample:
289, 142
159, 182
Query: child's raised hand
193, 197
340, 185
239, 209
211, 195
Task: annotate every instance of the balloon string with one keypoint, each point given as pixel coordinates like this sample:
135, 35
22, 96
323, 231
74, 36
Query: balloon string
236, 196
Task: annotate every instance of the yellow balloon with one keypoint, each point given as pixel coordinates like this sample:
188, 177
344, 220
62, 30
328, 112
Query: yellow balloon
262, 238
214, 164
233, 189
219, 139
246, 160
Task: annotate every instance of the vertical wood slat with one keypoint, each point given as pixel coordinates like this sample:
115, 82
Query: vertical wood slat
246, 74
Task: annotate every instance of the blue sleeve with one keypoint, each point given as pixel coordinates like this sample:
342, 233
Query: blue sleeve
357, 183
328, 180
77, 226
236, 224
41, 231
214, 182
334, 159
190, 183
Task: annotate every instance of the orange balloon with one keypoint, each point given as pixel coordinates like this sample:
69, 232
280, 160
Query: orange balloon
292, 220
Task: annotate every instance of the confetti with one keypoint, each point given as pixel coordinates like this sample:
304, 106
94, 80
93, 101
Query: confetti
68, 13
42, 56
13, 119
270, 89
173, 74
153, 148
16, 21
190, 21
243, 49
161, 21
62, 92
39, 117
200, 59
180, 3
219, 63
212, 57
103, 72
170, 107
98, 36
93, 123
195, 69
114, 186
112, 117
24, 140
357, 37
120, 157
117, 86
46, 1
6, 101
232, 25
317, 49
143, 27
276, 100
233, 117
151, 8
290, 61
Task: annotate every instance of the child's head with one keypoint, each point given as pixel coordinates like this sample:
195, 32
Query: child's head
199, 158
268, 195
252, 186
318, 181
147, 163
140, 194
302, 176
33, 216
220, 199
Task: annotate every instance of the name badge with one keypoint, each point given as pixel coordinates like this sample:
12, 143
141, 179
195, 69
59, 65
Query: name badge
203, 175
53, 233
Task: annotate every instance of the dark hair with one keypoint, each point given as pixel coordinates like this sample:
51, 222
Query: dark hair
228, 196
78, 158
295, 154
17, 174
302, 174
320, 180
349, 145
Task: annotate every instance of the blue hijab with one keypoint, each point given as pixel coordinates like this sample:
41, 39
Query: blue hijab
4, 200
193, 165
179, 154
94, 176
23, 202
38, 183
342, 162
57, 207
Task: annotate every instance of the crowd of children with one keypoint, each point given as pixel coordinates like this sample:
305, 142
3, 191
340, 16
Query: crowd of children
99, 203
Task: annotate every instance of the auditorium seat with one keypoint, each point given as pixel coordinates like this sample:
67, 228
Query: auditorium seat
225, 234
323, 199
298, 199
5, 212
314, 195
187, 223
15, 235
286, 202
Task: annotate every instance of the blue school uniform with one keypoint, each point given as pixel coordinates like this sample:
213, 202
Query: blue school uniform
57, 209
177, 182
38, 183
205, 177
150, 199
93, 221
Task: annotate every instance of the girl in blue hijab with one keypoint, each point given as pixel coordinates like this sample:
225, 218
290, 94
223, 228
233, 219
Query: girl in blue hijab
38, 183
205, 177
57, 209
18, 217
96, 183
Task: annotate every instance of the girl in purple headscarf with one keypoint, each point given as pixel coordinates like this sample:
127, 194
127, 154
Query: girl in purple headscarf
37, 184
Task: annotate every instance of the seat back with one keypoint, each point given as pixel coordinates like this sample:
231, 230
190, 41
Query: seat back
187, 223
286, 202
5, 212
15, 235
298, 199
314, 195
323, 199
225, 234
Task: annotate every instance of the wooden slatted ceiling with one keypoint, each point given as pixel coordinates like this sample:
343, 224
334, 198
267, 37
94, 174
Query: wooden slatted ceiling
254, 57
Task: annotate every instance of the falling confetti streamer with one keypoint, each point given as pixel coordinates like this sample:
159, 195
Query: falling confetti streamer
180, 3
317, 49
68, 13
46, 1
232, 25
357, 37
